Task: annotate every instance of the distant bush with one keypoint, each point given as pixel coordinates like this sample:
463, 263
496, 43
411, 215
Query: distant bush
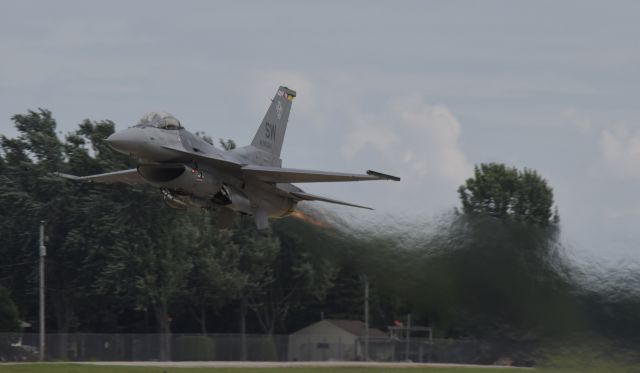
194, 348
8, 313
9, 324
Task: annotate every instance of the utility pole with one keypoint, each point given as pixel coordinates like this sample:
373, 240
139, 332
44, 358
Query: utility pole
43, 253
366, 318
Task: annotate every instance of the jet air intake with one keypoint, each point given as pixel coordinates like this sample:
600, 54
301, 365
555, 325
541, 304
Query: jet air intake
161, 173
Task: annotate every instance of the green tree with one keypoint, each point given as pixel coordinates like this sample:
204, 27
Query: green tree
496, 271
37, 132
300, 274
258, 251
111, 244
9, 321
215, 277
507, 193
9, 324
227, 144
33, 195
145, 259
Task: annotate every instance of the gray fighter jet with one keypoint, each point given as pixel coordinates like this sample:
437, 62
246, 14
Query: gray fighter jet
191, 173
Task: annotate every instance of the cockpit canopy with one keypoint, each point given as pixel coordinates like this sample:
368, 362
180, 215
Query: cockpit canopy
159, 119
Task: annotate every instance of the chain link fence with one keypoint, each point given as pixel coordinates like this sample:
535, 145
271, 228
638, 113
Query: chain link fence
238, 347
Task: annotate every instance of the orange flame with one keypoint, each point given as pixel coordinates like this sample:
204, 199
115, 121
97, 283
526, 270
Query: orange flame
306, 218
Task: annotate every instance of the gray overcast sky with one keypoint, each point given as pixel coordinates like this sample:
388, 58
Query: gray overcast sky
422, 89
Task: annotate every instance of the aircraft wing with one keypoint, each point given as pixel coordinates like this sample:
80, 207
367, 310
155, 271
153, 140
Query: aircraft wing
212, 159
125, 176
291, 175
312, 197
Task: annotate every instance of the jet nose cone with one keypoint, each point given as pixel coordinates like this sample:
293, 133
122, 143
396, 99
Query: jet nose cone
126, 141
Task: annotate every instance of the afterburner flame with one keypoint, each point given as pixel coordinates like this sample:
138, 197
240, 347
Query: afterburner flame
300, 215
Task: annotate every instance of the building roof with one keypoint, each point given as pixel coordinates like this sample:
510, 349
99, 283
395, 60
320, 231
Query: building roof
356, 327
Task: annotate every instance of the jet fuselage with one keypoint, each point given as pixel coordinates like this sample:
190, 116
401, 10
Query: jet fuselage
187, 183
190, 172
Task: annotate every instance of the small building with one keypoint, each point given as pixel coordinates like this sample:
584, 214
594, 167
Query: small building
331, 340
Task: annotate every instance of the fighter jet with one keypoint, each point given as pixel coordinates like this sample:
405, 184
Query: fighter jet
192, 173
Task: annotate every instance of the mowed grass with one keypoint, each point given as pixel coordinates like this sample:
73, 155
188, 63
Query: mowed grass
85, 368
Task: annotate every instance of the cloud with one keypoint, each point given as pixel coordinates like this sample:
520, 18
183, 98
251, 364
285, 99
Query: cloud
353, 124
436, 139
364, 133
623, 213
581, 121
423, 139
619, 153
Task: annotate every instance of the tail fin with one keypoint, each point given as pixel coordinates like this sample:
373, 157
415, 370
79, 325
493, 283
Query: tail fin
270, 135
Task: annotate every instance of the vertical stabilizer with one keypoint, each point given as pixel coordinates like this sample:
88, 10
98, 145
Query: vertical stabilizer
270, 135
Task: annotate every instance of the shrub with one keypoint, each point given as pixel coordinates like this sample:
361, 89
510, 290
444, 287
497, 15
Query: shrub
8, 313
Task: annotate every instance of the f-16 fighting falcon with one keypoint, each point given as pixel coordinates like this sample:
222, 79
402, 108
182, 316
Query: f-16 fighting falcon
191, 173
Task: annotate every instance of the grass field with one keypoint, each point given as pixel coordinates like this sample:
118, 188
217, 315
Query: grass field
81, 368
90, 368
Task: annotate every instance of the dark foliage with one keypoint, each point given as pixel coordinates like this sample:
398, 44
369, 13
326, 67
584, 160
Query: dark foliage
120, 261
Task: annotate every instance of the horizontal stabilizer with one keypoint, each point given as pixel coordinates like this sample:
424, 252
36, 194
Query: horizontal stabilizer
311, 197
291, 175
125, 176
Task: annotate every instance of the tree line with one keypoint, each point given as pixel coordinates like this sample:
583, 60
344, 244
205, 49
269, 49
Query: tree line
119, 260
